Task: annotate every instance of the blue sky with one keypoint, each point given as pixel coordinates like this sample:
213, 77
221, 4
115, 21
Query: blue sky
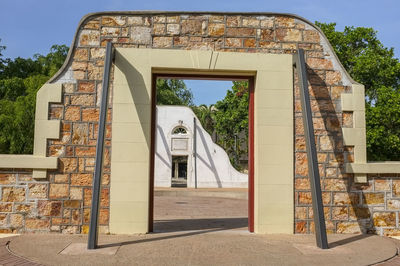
32, 26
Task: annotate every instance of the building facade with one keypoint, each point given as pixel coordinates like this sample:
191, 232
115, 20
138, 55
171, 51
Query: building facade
175, 149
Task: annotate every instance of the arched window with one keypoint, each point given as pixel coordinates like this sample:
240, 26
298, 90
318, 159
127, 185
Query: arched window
179, 131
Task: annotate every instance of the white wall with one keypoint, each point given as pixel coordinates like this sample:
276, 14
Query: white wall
213, 166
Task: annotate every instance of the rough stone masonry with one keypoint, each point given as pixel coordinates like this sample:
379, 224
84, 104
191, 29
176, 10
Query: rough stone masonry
61, 203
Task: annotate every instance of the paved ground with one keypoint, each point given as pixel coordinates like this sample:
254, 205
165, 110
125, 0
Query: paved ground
192, 230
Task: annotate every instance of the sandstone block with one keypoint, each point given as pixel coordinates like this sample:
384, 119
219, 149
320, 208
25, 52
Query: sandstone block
23, 207
6, 179
284, 22
373, 198
301, 227
85, 151
13, 194
104, 216
81, 179
76, 217
384, 219
82, 99
5, 207
56, 112
56, 150
59, 191
113, 21
311, 36
110, 31
81, 54
181, 41
162, 42
340, 213
341, 198
216, 29
333, 77
382, 185
358, 213
249, 43
72, 204
288, 35
68, 165
302, 183
37, 224
173, 29
75, 193
136, 21
80, 133
233, 21
268, 44
37, 191
92, 25
16, 220
335, 184
216, 18
159, 29
233, 42
89, 38
95, 72
192, 27
319, 63
241, 32
141, 35
250, 22
90, 115
267, 22
348, 228
72, 113
325, 143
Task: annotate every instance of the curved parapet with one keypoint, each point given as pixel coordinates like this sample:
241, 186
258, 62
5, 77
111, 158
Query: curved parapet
213, 166
89, 33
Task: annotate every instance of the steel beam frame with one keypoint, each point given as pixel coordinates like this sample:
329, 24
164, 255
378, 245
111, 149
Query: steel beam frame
98, 170
313, 171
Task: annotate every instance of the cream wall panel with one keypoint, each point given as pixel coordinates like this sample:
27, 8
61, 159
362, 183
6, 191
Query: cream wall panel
126, 171
129, 132
129, 113
273, 94
130, 152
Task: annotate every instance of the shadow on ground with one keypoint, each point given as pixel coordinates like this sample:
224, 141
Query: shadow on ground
175, 225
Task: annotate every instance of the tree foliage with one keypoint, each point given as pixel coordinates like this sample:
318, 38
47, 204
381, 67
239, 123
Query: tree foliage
173, 92
375, 66
206, 115
231, 121
20, 79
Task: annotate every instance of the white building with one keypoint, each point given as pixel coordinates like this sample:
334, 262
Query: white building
176, 160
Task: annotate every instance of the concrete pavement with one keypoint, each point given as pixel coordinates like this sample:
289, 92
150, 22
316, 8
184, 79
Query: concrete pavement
200, 230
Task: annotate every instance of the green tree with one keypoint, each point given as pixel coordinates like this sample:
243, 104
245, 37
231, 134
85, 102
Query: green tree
20, 79
231, 121
375, 66
206, 116
173, 92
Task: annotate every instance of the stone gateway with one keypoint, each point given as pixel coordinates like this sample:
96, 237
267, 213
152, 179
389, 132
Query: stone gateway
50, 191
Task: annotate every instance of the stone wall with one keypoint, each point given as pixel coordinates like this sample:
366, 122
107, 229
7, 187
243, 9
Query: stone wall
62, 203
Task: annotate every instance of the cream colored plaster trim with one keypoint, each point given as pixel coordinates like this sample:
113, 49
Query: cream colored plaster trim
44, 129
374, 168
27, 161
273, 199
356, 136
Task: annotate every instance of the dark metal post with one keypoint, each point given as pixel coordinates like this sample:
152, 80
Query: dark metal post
195, 151
98, 170
313, 171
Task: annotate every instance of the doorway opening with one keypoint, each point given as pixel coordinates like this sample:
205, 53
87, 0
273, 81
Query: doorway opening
210, 176
179, 171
